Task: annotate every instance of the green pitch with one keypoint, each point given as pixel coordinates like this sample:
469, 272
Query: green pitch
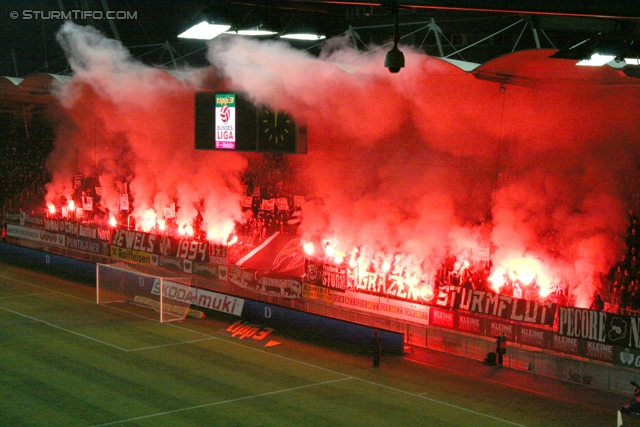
66, 361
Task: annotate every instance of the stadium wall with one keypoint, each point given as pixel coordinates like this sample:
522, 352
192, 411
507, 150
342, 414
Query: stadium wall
569, 367
76, 269
393, 342
272, 314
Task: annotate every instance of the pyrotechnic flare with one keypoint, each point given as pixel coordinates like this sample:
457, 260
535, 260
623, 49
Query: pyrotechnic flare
412, 167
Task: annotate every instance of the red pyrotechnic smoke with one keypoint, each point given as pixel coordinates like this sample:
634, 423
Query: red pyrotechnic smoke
531, 164
434, 161
131, 127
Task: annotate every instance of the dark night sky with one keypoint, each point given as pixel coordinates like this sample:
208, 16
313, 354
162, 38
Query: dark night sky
36, 50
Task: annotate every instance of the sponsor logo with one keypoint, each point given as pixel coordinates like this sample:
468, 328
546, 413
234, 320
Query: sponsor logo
13, 217
104, 234
600, 351
317, 292
22, 232
220, 302
25, 218
618, 329
89, 232
130, 255
627, 358
135, 240
312, 271
187, 266
218, 254
242, 330
165, 246
53, 225
469, 324
499, 328
55, 239
84, 245
169, 262
174, 291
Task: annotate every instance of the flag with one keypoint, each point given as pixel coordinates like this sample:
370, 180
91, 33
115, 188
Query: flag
170, 210
298, 201
268, 204
124, 202
295, 218
87, 203
247, 202
283, 203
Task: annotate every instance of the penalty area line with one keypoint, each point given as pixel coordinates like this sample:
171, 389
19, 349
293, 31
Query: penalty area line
26, 295
61, 328
171, 344
223, 402
440, 402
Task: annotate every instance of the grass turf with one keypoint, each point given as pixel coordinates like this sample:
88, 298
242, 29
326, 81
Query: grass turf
66, 361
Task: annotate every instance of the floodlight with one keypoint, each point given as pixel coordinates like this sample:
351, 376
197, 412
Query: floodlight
303, 36
596, 60
253, 33
204, 31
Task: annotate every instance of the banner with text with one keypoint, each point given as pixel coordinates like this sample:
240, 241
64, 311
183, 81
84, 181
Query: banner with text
599, 326
506, 307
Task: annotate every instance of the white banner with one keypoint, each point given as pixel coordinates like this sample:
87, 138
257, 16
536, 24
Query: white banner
41, 236
384, 306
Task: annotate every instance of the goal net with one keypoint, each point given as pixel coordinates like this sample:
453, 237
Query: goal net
125, 285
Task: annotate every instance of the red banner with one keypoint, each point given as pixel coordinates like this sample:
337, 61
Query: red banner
442, 318
565, 344
599, 351
497, 328
470, 324
534, 337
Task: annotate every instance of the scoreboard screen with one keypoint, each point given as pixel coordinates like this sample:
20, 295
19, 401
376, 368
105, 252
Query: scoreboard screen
228, 121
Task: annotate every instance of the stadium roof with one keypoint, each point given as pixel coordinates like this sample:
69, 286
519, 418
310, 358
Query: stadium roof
469, 31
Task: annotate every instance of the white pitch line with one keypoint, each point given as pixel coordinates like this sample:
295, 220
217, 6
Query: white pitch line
420, 396
26, 295
93, 303
171, 344
223, 402
440, 402
62, 329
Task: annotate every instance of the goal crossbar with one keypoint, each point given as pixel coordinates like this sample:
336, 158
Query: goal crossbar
123, 284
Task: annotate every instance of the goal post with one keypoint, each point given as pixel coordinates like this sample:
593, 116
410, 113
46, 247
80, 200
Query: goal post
125, 285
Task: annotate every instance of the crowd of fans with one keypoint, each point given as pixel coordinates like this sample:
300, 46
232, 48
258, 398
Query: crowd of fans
476, 276
269, 177
27, 141
622, 286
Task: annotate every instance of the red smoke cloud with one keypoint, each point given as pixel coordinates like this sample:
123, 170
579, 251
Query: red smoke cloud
125, 119
537, 165
534, 160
